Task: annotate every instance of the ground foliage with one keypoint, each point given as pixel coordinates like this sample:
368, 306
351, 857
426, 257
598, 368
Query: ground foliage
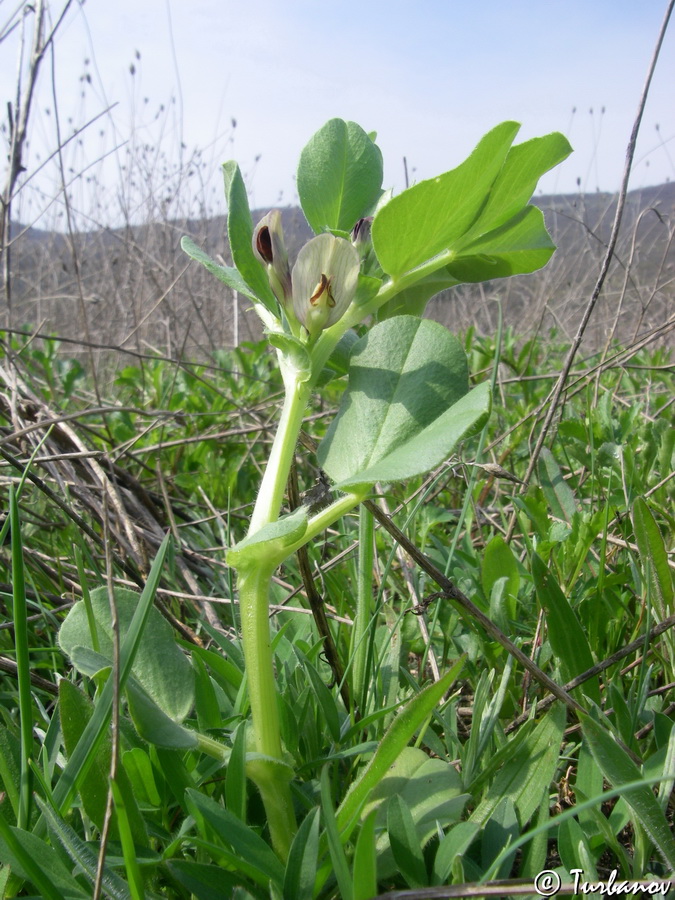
492, 787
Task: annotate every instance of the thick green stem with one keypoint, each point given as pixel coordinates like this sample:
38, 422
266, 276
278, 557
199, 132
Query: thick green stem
271, 778
271, 494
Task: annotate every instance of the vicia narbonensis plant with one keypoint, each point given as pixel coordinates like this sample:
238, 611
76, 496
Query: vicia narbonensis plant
374, 262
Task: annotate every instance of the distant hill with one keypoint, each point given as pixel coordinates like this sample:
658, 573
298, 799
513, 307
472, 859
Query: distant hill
133, 286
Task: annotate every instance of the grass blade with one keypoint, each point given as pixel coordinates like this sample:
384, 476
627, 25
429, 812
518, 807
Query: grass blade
399, 734
22, 663
302, 859
335, 848
619, 769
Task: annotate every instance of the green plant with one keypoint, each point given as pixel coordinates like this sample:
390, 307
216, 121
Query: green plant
407, 403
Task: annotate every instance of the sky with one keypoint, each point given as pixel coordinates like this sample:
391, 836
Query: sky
253, 81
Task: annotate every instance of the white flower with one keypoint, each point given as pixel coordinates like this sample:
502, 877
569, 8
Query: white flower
324, 280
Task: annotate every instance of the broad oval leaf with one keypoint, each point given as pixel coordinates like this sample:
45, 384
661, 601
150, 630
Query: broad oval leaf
160, 666
406, 405
339, 176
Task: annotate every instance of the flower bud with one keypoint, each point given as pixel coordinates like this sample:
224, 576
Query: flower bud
269, 248
324, 280
361, 235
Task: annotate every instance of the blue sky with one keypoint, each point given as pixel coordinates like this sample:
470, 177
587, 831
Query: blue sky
429, 76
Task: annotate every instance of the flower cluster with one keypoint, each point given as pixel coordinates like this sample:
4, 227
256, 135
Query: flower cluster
323, 281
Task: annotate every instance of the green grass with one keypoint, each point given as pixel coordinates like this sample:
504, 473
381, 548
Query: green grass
483, 784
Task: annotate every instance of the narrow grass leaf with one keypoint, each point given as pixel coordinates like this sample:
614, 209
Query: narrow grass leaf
254, 856
618, 768
10, 770
302, 860
33, 860
75, 711
574, 849
567, 638
235, 776
335, 848
455, 844
82, 854
527, 775
653, 557
556, 490
127, 840
207, 882
365, 861
22, 664
500, 831
397, 736
404, 843
326, 701
206, 701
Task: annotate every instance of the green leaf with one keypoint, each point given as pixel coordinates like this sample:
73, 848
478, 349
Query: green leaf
207, 707
517, 180
339, 176
85, 753
302, 859
517, 248
282, 533
432, 792
406, 402
161, 667
499, 562
565, 633
10, 773
455, 844
204, 881
75, 711
432, 215
556, 489
253, 856
404, 842
365, 861
83, 855
574, 849
396, 738
618, 769
335, 848
240, 236
653, 557
500, 830
33, 860
325, 700
152, 723
226, 274
141, 776
527, 774
235, 776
